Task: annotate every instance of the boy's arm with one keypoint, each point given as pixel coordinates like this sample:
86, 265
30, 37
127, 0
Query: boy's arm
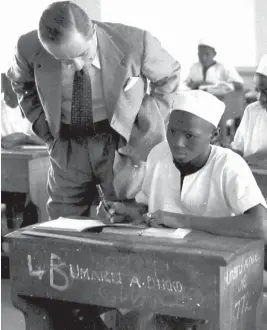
251, 224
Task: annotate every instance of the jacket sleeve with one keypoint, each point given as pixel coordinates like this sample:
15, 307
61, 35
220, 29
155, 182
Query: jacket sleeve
21, 74
163, 72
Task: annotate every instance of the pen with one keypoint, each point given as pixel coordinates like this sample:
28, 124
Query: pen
104, 202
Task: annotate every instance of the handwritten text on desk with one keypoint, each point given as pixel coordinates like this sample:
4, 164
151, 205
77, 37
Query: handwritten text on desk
235, 272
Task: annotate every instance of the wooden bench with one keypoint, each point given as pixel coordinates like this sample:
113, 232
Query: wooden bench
201, 276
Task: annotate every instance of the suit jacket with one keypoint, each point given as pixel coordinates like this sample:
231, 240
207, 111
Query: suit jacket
139, 117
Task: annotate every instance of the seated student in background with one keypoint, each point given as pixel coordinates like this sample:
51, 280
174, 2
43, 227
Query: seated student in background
210, 75
15, 129
192, 184
250, 140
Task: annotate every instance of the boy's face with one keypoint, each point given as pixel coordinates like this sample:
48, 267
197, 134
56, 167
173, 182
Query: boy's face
188, 136
206, 55
261, 87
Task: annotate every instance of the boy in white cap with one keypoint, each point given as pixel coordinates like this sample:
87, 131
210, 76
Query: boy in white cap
212, 76
250, 140
192, 184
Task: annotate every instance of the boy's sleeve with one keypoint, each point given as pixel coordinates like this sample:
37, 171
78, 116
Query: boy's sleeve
232, 75
240, 135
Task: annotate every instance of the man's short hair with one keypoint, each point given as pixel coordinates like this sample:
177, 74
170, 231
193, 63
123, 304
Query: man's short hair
61, 16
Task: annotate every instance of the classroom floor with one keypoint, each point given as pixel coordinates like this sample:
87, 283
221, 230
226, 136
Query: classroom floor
12, 319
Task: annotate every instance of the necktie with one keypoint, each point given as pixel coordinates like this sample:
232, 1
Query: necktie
81, 107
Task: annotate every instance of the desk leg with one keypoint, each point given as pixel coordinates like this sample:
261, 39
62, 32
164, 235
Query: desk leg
44, 314
36, 316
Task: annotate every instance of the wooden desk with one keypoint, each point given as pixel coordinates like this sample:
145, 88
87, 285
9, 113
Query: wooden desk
17, 174
15, 168
234, 108
201, 276
260, 175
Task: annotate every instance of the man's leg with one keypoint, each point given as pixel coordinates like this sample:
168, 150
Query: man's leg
70, 179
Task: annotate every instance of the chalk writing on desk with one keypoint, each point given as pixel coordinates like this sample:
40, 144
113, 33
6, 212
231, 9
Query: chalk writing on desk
71, 272
242, 306
38, 272
57, 266
236, 271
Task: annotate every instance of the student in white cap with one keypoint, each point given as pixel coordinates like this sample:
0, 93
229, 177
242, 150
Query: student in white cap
250, 140
205, 187
190, 183
212, 76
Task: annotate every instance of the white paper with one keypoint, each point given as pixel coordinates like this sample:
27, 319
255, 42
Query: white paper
181, 232
70, 224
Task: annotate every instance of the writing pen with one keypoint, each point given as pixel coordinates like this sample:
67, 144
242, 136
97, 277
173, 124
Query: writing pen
104, 202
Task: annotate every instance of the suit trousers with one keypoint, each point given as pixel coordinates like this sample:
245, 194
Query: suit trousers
77, 164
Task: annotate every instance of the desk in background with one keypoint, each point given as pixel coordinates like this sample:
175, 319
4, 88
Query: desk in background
260, 175
234, 108
24, 170
202, 276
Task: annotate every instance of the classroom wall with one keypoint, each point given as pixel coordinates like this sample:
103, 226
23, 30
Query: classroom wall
239, 27
19, 17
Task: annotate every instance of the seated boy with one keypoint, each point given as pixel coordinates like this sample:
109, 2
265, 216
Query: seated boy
190, 183
250, 140
210, 75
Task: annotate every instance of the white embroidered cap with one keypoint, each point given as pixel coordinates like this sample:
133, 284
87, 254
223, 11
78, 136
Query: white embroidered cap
201, 104
207, 42
262, 68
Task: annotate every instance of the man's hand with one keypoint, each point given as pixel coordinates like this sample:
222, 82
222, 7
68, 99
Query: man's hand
13, 140
121, 212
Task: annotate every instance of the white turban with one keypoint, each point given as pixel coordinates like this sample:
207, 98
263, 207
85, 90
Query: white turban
207, 42
201, 104
262, 68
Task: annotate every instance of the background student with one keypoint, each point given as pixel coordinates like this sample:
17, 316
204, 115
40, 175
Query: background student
250, 140
210, 75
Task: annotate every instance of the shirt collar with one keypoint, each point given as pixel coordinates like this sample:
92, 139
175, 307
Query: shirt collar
96, 60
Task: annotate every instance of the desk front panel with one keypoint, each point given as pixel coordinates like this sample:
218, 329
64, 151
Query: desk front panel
105, 275
261, 178
14, 175
15, 169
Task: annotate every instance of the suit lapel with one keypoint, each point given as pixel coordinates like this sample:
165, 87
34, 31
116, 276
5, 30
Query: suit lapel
113, 72
48, 75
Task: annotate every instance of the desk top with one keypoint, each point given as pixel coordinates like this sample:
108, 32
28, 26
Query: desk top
215, 249
24, 152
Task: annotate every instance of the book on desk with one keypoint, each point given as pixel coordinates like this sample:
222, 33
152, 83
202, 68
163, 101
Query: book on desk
80, 224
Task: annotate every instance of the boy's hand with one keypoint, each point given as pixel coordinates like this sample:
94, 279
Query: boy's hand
121, 212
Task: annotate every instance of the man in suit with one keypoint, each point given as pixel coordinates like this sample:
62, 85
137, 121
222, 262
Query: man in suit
83, 86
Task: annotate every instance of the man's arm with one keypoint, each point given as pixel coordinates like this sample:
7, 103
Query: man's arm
21, 74
163, 72
251, 224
